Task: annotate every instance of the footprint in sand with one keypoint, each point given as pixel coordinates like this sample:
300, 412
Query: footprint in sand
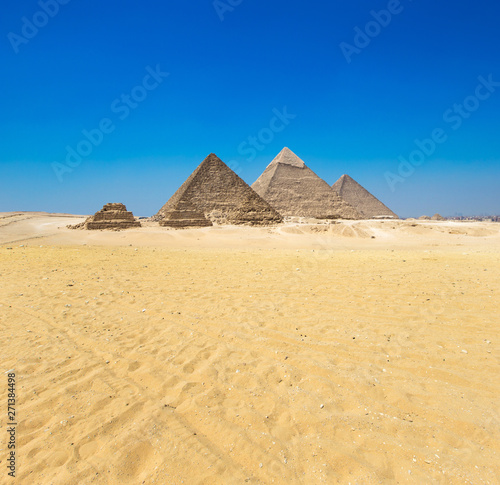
133, 366
57, 458
34, 423
32, 453
86, 450
137, 459
188, 368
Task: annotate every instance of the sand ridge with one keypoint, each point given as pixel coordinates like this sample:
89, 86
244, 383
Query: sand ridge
298, 233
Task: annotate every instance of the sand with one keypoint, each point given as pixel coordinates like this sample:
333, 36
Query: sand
298, 354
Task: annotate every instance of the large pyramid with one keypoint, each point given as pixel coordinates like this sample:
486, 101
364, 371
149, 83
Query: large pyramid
112, 216
293, 189
366, 203
215, 191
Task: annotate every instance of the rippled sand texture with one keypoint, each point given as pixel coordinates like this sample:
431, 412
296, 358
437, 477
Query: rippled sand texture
158, 365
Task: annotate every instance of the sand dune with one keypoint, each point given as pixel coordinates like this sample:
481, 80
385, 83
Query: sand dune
43, 228
294, 354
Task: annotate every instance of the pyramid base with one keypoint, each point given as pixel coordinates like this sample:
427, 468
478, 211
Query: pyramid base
111, 225
184, 223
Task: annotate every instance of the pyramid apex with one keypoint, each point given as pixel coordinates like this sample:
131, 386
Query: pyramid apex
211, 156
342, 179
346, 177
287, 157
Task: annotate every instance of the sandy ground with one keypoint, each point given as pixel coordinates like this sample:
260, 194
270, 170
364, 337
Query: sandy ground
297, 354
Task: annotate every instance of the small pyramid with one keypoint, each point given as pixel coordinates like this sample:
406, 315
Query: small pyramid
215, 191
112, 216
438, 217
293, 189
367, 204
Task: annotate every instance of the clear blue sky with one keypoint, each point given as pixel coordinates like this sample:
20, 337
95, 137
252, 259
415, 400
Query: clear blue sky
231, 68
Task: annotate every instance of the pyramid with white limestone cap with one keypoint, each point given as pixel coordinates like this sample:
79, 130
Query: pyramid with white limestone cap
356, 195
293, 189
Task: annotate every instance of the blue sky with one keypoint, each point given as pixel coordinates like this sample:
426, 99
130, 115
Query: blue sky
348, 101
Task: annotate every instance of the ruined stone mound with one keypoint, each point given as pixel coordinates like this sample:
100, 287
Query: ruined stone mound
293, 189
184, 214
362, 200
111, 216
438, 217
424, 218
215, 191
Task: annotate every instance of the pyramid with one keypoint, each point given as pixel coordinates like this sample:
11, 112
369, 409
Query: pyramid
438, 217
367, 204
111, 216
293, 189
185, 214
215, 191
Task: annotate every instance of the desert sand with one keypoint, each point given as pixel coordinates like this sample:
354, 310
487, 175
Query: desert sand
357, 352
